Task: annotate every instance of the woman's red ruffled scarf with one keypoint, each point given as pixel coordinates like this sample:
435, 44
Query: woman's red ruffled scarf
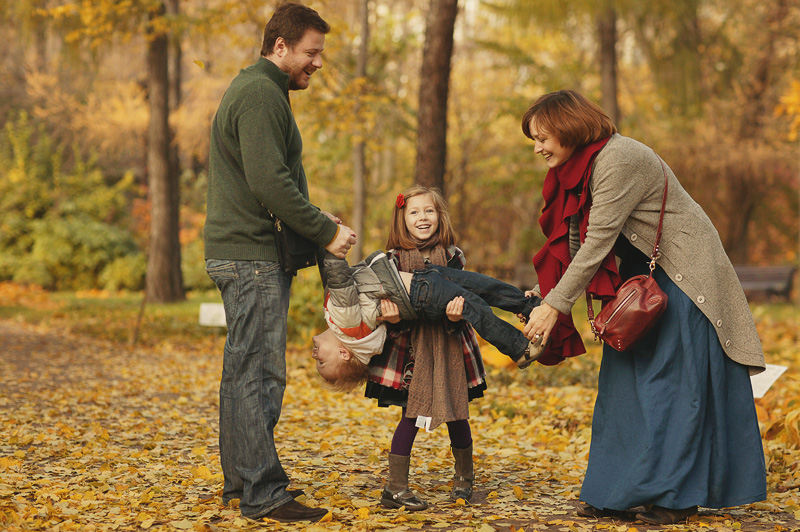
566, 193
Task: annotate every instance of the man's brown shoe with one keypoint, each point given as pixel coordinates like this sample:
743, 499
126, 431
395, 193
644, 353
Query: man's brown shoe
293, 511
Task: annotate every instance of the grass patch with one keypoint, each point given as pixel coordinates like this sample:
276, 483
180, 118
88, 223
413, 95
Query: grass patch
114, 316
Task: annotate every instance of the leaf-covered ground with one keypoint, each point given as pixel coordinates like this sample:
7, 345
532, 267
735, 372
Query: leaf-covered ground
95, 435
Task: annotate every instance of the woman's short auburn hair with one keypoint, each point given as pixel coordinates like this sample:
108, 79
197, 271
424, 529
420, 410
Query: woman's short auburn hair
569, 117
400, 238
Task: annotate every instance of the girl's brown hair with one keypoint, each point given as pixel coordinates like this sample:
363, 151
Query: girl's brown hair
569, 117
400, 238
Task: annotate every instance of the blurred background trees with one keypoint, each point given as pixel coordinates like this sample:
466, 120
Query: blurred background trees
106, 109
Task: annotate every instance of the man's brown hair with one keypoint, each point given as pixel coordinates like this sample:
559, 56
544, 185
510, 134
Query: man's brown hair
291, 21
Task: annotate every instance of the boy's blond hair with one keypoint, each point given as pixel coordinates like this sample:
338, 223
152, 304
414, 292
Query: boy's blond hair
348, 375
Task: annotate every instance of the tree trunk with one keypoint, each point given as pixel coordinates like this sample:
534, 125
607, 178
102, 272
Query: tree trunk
175, 62
607, 37
359, 147
434, 87
743, 185
164, 279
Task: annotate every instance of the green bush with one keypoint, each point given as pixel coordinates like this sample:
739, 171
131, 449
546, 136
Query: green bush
305, 307
62, 228
124, 273
193, 266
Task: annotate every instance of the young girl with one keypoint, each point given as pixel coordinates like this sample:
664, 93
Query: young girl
422, 366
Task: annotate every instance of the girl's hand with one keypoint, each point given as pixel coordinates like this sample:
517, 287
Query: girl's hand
455, 308
389, 311
541, 322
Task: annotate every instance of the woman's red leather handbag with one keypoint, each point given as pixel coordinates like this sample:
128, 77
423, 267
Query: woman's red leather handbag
638, 305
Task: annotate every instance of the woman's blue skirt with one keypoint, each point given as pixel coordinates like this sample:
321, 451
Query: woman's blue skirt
674, 423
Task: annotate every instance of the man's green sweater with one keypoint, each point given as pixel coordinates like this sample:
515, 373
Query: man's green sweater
255, 165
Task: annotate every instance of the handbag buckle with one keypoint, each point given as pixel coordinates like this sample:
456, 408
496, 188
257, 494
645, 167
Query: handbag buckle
594, 331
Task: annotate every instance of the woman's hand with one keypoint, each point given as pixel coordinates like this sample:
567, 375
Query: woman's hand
389, 311
455, 308
541, 322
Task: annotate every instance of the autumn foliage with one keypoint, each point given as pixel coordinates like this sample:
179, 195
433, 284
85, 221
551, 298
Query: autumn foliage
98, 435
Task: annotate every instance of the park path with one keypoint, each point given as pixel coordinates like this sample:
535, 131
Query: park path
98, 436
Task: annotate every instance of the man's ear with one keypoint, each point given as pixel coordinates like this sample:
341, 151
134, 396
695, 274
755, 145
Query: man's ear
280, 49
345, 354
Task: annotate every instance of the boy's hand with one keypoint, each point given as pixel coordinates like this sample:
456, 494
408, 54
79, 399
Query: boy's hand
534, 292
341, 244
332, 217
389, 311
455, 308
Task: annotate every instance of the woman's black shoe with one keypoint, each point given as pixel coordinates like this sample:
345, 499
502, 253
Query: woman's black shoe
587, 510
658, 515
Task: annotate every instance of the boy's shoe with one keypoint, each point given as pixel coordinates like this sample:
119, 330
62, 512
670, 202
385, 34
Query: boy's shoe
532, 353
391, 283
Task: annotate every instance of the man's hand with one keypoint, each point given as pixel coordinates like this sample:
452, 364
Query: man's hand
389, 311
455, 308
345, 239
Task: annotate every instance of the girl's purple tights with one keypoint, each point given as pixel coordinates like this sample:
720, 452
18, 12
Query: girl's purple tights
406, 432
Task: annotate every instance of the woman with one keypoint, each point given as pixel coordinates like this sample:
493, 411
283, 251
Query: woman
674, 425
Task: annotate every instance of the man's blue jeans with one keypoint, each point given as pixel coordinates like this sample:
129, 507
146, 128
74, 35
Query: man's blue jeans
435, 286
256, 299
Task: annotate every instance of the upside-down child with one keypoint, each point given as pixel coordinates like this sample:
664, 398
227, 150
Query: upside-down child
357, 298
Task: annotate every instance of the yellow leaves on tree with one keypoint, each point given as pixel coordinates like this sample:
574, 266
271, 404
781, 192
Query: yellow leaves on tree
790, 105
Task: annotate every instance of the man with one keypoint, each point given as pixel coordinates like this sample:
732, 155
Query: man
255, 167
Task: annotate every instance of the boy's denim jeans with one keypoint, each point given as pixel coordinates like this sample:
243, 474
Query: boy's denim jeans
435, 286
256, 299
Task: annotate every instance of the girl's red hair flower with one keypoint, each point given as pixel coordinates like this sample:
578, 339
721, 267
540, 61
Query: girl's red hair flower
400, 201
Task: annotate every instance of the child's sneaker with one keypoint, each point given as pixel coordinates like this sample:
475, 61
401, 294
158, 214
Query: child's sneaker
391, 283
532, 353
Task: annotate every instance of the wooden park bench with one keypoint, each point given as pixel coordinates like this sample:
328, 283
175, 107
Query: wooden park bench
767, 281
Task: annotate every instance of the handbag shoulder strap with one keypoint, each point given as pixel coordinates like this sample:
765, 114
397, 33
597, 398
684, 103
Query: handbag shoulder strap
656, 253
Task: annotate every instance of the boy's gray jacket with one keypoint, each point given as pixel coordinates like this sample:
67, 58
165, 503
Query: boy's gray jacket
352, 302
